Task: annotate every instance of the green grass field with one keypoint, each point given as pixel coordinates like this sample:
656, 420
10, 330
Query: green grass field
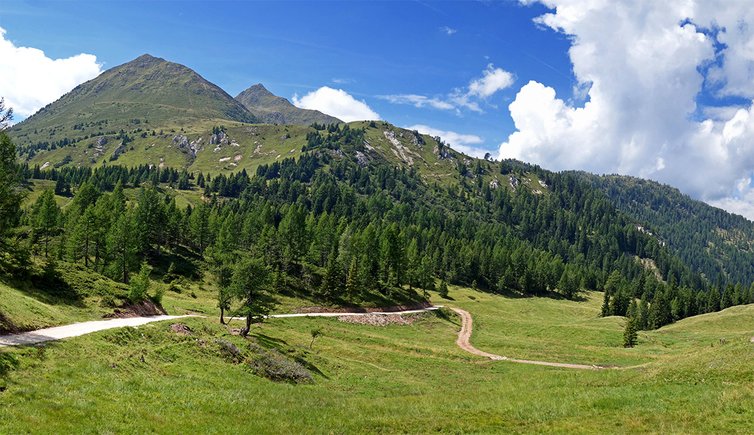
397, 378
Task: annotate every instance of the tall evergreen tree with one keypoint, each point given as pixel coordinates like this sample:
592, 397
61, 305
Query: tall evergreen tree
46, 219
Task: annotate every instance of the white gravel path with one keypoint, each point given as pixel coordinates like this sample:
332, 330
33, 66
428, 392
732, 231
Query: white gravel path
77, 329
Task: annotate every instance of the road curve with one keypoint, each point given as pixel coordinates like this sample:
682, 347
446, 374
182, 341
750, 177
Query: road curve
464, 335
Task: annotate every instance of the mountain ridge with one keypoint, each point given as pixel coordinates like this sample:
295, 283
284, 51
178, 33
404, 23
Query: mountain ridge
272, 109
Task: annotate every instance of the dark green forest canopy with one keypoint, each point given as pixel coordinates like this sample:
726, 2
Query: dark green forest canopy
710, 240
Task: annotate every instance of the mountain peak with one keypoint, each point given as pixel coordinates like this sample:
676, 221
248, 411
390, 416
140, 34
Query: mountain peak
148, 87
277, 110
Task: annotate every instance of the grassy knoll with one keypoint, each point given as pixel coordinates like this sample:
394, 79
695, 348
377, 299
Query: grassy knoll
396, 378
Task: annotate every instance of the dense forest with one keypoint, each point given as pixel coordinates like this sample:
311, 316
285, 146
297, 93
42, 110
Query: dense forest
342, 231
710, 240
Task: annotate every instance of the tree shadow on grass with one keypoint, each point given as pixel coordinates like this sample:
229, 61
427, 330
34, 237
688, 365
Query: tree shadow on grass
283, 348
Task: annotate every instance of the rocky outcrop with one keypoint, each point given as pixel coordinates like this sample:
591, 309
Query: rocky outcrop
192, 147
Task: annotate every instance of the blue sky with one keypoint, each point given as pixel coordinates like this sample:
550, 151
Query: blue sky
368, 49
656, 89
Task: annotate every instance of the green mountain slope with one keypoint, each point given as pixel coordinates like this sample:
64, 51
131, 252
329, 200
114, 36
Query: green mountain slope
147, 92
271, 109
155, 113
716, 243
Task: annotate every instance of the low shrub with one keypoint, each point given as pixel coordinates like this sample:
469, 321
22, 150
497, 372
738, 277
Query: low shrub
275, 366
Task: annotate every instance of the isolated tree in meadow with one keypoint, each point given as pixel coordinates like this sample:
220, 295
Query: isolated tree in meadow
630, 335
250, 284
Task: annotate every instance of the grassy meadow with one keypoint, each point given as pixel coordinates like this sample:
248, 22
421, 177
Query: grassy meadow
692, 377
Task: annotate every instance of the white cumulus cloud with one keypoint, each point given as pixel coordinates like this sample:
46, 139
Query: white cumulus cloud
337, 103
643, 66
464, 143
29, 79
492, 80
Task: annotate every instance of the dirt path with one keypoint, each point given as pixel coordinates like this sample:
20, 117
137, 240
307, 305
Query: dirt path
465, 335
77, 329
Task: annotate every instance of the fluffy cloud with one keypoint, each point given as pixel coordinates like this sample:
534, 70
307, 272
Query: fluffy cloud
337, 103
492, 81
31, 80
458, 141
643, 66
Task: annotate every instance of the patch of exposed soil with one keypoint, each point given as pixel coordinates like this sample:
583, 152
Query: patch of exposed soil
142, 309
381, 319
6, 326
180, 329
419, 306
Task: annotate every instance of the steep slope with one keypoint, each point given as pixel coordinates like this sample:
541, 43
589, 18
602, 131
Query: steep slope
147, 92
716, 243
272, 109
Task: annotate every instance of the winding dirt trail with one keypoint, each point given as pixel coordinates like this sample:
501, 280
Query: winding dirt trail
464, 335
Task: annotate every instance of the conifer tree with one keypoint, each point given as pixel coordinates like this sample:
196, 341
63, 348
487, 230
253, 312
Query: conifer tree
629, 333
46, 219
605, 304
353, 286
250, 284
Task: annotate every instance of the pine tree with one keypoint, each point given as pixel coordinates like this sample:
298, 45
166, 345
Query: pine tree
121, 242
713, 300
605, 305
331, 282
659, 311
443, 291
46, 219
139, 288
630, 335
250, 284
642, 319
353, 286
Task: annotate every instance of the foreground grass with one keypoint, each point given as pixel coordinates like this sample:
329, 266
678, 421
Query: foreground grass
396, 378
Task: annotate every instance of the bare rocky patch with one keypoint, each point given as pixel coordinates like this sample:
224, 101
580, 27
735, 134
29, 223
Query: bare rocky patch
382, 319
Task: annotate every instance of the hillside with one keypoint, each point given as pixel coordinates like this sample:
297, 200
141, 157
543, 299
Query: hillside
271, 109
564, 216
395, 378
146, 93
716, 243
